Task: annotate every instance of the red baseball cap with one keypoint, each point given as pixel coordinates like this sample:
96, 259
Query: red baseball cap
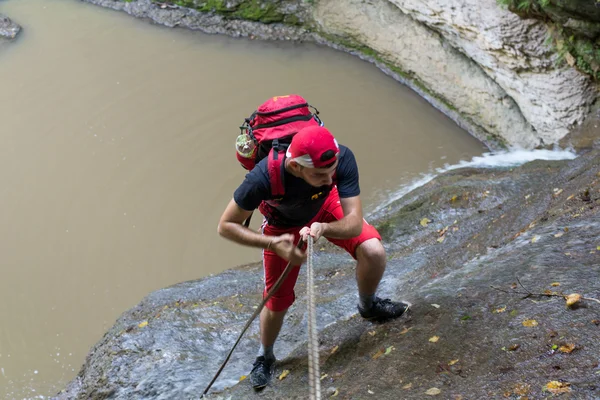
313, 147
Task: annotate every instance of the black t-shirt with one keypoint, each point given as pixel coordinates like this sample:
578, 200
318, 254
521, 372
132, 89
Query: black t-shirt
301, 201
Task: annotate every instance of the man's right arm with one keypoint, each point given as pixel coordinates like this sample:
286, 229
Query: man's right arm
231, 226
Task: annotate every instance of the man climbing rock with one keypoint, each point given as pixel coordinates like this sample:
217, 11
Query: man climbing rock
319, 182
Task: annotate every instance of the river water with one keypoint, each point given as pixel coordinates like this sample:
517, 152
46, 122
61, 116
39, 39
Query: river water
117, 159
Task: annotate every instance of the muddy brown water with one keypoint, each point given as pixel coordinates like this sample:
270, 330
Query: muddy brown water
116, 160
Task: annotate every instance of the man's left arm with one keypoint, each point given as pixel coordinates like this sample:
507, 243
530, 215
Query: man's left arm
346, 228
351, 225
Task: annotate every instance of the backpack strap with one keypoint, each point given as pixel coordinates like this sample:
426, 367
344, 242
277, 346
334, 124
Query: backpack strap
275, 167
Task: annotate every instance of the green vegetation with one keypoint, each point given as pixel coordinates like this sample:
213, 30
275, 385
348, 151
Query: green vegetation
574, 29
252, 10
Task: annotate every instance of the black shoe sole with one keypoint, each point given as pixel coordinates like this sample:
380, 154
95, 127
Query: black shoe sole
259, 387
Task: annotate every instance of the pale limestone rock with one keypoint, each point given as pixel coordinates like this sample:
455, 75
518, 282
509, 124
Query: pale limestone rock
428, 58
513, 52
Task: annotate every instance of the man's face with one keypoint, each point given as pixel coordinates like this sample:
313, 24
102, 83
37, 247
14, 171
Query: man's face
318, 177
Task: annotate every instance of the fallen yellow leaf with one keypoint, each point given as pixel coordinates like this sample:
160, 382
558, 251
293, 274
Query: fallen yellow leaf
567, 348
598, 248
440, 240
284, 374
558, 387
389, 350
573, 299
570, 197
434, 339
243, 377
334, 349
500, 310
372, 333
335, 393
405, 330
453, 362
425, 221
559, 234
143, 324
453, 199
408, 386
530, 323
324, 376
433, 391
555, 284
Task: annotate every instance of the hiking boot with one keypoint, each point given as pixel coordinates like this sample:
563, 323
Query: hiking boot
384, 309
262, 369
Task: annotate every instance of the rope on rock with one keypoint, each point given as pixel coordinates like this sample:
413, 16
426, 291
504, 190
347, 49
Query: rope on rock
313, 339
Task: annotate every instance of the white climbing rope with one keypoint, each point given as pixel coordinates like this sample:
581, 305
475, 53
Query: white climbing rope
314, 378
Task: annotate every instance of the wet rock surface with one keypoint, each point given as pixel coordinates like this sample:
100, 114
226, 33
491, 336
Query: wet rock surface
533, 228
8, 28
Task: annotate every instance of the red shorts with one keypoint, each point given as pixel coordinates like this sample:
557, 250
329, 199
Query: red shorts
275, 265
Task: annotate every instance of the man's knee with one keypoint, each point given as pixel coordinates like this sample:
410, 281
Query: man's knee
371, 251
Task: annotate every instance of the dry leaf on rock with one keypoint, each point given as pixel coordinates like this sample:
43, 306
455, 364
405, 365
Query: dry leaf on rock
453, 362
334, 349
284, 374
405, 330
555, 284
436, 305
573, 299
425, 221
530, 323
558, 387
567, 348
143, 324
434, 339
243, 377
407, 386
500, 310
433, 391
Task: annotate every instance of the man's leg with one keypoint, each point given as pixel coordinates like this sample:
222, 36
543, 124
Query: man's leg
270, 325
370, 266
272, 315
370, 257
367, 249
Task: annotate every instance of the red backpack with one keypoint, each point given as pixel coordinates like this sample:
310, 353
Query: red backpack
268, 132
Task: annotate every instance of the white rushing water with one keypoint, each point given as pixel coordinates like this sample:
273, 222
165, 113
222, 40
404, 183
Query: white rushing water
503, 159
